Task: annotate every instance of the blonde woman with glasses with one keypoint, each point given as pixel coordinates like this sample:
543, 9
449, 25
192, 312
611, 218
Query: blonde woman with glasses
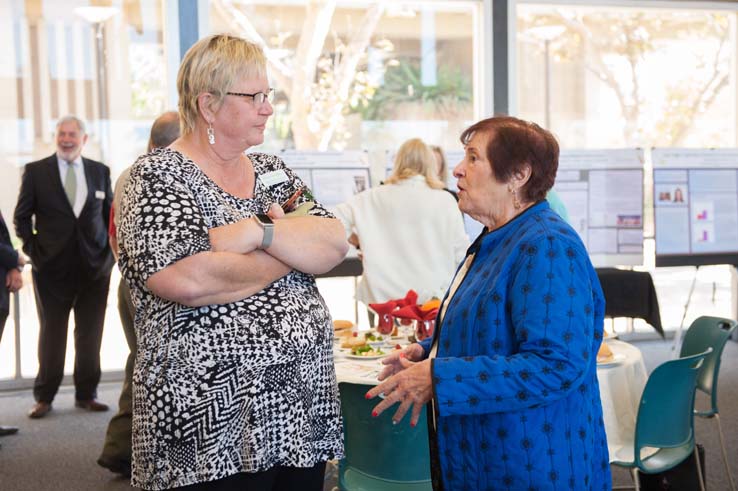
234, 383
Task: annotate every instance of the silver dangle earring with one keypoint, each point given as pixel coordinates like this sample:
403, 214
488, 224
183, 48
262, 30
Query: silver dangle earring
211, 134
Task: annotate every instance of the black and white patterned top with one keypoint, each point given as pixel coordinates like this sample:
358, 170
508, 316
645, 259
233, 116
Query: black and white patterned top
221, 389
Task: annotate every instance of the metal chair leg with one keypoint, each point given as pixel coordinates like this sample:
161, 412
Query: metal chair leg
699, 468
636, 481
634, 475
725, 453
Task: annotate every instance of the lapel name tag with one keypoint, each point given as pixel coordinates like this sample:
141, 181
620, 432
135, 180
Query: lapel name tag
273, 178
100, 194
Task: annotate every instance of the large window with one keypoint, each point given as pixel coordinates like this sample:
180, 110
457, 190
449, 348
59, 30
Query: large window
106, 65
624, 77
369, 75
362, 75
614, 76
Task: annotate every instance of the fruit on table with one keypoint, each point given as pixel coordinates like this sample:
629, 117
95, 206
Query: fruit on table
431, 304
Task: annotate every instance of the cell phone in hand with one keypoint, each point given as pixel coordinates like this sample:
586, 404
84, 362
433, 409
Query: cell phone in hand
289, 205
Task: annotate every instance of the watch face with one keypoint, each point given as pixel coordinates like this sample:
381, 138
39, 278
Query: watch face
264, 219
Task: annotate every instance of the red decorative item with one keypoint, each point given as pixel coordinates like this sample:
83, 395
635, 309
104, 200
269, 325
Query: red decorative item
425, 322
384, 313
411, 298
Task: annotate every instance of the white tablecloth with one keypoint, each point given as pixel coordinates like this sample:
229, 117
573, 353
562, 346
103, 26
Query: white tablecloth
621, 385
354, 371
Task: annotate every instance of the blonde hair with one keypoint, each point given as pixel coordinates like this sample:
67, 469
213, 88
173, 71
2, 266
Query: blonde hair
211, 65
415, 158
441, 159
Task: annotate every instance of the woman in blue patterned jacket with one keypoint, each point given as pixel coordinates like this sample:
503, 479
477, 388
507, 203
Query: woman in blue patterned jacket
510, 373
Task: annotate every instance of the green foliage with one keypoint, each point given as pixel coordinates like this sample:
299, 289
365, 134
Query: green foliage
403, 86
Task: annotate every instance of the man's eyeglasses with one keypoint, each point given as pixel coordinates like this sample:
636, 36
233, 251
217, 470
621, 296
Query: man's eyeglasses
258, 97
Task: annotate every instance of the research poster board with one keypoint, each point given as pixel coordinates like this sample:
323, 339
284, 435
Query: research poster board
695, 193
332, 176
603, 194
453, 157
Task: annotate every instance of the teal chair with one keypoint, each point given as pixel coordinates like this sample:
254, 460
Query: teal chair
381, 456
665, 420
710, 332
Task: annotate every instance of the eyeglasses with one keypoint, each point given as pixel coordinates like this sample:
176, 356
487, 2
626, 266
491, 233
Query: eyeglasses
259, 97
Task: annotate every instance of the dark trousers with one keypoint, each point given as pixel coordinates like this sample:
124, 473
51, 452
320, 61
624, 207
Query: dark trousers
55, 299
274, 479
3, 317
117, 447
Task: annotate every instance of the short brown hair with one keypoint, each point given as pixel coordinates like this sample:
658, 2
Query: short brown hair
211, 65
513, 143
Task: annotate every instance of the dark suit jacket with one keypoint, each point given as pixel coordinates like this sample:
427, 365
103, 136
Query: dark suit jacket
57, 230
8, 261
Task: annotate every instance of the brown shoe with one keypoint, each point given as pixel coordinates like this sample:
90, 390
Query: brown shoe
39, 410
91, 405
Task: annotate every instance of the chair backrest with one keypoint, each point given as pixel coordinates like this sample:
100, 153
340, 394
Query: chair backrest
708, 332
665, 414
376, 447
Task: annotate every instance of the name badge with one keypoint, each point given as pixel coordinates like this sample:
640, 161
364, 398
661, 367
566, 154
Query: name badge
273, 178
100, 194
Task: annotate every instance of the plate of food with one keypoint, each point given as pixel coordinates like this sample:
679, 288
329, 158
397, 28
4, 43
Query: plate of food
606, 357
610, 360
607, 335
341, 326
366, 352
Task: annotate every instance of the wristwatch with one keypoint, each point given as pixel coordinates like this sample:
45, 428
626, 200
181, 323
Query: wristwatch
267, 225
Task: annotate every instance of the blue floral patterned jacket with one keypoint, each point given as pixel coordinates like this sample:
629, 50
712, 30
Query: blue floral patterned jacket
515, 388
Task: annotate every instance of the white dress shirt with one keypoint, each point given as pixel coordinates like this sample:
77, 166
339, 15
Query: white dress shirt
412, 237
79, 172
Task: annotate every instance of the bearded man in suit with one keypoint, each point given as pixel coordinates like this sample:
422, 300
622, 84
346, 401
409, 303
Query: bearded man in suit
62, 218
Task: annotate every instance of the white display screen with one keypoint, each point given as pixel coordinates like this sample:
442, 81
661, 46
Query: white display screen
602, 191
695, 194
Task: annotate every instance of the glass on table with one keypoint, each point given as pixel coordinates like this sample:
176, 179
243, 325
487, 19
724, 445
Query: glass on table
424, 329
386, 324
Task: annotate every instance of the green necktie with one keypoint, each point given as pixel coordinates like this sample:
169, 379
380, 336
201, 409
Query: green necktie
70, 184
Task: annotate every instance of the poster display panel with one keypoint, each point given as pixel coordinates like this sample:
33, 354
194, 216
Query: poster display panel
334, 176
602, 191
695, 194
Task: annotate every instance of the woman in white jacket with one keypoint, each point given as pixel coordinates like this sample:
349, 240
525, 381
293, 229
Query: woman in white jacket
410, 230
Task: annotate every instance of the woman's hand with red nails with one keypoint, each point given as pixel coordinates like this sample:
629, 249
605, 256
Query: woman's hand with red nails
392, 365
410, 387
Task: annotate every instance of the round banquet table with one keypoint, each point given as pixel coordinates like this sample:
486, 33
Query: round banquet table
621, 385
